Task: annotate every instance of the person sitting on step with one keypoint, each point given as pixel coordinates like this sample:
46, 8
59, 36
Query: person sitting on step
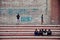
36, 32
44, 32
40, 32
49, 32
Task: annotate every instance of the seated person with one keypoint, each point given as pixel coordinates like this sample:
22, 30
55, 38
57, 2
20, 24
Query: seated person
41, 32
36, 32
45, 32
49, 32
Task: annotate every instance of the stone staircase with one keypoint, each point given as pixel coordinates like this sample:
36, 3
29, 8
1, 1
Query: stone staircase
17, 32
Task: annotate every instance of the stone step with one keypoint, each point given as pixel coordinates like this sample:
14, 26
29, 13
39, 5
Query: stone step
32, 28
28, 37
33, 39
10, 27
22, 30
25, 33
30, 25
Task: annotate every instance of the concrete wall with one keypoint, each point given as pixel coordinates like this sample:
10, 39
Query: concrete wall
33, 9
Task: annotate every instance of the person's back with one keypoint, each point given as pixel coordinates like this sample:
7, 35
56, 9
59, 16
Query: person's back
49, 32
18, 16
45, 32
40, 32
36, 32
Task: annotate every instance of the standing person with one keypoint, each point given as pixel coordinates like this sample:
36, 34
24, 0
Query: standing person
18, 16
42, 19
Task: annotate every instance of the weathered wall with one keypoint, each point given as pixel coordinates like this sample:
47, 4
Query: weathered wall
30, 9
30, 12
55, 15
59, 11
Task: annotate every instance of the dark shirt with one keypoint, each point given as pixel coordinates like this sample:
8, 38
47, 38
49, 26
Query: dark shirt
40, 32
18, 16
36, 33
49, 32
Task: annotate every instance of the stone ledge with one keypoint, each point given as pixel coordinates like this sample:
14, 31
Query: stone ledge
28, 37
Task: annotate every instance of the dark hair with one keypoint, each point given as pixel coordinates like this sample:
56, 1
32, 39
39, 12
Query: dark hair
35, 29
48, 29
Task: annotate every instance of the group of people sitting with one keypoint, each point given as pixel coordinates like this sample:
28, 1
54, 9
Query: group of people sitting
43, 32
